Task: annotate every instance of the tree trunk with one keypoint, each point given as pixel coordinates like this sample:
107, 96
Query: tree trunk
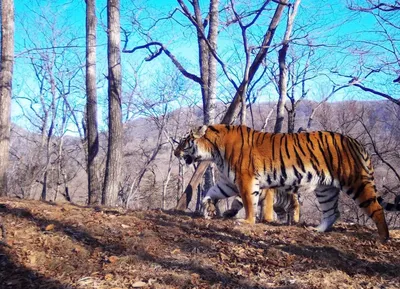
181, 181
6, 73
114, 152
291, 120
94, 190
167, 179
43, 195
280, 112
208, 69
209, 110
235, 105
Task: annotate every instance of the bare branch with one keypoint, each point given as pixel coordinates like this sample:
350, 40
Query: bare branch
379, 6
388, 97
377, 151
161, 48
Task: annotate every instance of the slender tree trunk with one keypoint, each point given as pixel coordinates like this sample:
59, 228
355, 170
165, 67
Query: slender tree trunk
60, 157
53, 114
44, 187
167, 179
283, 70
208, 69
114, 152
181, 181
280, 112
291, 120
94, 190
209, 111
6, 74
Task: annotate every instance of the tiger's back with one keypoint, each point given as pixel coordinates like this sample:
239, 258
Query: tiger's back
297, 158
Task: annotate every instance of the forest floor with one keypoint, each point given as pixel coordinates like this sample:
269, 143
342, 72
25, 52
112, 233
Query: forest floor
67, 246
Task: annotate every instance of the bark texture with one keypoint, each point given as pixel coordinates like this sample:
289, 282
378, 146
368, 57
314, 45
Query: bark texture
94, 197
283, 70
114, 151
6, 74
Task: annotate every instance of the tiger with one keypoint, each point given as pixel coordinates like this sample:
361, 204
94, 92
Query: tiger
284, 204
322, 161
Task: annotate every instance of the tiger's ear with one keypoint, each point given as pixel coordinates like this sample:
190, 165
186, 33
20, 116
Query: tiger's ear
201, 131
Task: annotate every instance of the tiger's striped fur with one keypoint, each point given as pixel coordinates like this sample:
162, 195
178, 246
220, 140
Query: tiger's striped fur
325, 162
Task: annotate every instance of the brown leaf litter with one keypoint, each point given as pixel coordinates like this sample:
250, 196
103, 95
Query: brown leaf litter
67, 246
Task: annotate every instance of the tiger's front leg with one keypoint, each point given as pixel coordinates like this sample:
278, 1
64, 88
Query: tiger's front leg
249, 192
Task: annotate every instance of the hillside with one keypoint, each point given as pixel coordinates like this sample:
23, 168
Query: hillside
67, 246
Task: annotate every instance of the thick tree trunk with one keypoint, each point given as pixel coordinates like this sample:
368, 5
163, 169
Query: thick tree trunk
6, 73
114, 152
94, 190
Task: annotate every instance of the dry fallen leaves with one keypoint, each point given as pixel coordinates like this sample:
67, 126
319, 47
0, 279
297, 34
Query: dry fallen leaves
113, 259
139, 284
49, 227
170, 250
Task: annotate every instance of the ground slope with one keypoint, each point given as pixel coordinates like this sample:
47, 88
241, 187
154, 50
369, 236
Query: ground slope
66, 246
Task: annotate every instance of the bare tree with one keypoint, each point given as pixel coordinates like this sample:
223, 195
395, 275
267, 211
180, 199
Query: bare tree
92, 137
6, 74
208, 54
207, 47
240, 94
114, 151
283, 67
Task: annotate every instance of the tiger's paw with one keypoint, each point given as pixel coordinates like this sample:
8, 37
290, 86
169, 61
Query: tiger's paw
267, 221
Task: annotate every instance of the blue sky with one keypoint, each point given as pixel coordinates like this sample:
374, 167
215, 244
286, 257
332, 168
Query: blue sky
326, 22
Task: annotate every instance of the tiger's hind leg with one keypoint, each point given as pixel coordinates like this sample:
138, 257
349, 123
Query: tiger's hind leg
294, 214
267, 211
328, 198
365, 197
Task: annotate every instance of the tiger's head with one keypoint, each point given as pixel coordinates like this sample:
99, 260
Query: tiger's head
189, 148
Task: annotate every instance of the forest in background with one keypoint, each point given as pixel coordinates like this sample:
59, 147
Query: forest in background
94, 125
154, 178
